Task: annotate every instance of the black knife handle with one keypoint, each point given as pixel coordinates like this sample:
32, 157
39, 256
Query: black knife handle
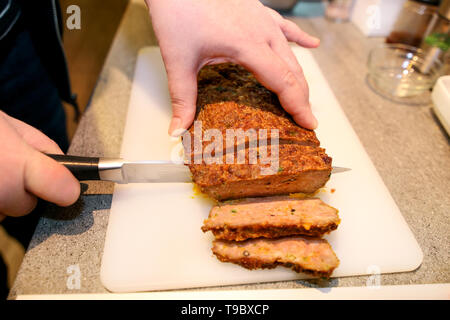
83, 168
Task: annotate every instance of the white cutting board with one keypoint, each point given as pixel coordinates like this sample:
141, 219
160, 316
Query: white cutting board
154, 241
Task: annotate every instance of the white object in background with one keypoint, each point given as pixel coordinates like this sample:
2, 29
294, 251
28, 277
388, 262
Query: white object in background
441, 101
154, 240
375, 18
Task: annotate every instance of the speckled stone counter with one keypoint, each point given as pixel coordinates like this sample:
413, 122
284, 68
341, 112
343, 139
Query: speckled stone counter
406, 143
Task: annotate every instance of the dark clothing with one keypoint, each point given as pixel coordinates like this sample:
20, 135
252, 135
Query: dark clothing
33, 71
42, 19
27, 92
9, 13
33, 80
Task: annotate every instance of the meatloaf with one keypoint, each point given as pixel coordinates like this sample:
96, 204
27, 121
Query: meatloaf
299, 169
313, 256
271, 217
229, 97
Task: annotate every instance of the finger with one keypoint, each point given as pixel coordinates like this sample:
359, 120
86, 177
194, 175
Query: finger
276, 76
281, 47
294, 34
33, 136
49, 180
284, 51
183, 93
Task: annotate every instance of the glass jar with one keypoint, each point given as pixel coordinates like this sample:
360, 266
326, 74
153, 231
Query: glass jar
412, 22
436, 43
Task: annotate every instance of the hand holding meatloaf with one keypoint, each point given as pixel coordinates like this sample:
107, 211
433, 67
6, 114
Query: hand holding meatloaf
195, 33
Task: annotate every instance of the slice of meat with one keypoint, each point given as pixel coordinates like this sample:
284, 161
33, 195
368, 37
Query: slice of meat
313, 256
300, 169
271, 217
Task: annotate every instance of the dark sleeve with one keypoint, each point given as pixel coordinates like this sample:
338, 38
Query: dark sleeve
9, 14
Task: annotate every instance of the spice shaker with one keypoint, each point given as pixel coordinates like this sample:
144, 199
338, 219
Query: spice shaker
412, 22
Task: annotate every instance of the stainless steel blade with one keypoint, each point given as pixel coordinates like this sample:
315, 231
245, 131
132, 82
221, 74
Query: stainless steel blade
339, 169
151, 171
155, 171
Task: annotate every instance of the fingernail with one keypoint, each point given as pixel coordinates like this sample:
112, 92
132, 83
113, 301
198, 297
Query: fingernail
316, 40
175, 125
315, 123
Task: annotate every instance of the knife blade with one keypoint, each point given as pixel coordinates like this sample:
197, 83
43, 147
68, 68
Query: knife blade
124, 171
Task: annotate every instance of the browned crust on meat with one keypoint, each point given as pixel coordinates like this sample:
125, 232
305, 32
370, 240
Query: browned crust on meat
229, 96
303, 182
231, 115
253, 264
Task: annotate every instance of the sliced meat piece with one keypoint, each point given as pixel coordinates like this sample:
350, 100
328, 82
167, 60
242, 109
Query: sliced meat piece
271, 217
313, 256
301, 169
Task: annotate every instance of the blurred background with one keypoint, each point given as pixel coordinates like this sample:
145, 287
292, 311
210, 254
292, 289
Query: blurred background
87, 48
417, 23
406, 25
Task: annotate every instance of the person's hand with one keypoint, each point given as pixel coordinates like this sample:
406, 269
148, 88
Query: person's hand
195, 33
26, 173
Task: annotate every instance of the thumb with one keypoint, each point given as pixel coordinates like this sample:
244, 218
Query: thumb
183, 93
49, 180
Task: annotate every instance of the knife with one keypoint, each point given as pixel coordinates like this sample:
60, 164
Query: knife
124, 171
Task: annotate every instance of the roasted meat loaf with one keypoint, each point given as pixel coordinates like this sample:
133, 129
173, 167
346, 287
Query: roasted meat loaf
229, 97
313, 256
271, 217
299, 169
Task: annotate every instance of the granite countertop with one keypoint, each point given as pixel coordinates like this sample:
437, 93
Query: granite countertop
405, 142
